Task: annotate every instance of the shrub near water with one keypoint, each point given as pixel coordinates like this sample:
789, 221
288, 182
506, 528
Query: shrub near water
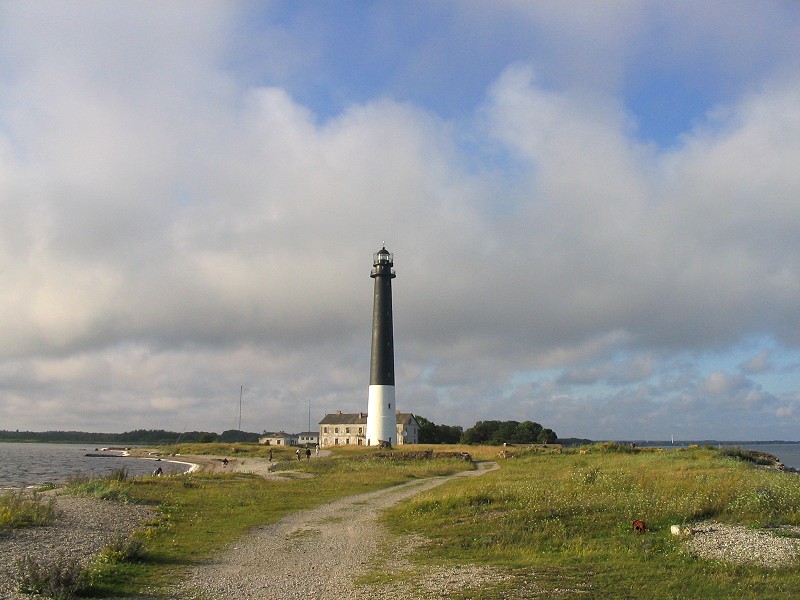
18, 509
115, 486
567, 519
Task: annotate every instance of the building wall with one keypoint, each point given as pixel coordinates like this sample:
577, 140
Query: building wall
408, 434
277, 441
356, 434
343, 435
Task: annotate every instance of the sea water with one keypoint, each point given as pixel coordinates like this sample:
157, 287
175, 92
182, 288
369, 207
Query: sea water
37, 464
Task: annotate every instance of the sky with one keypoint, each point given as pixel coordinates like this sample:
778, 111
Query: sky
593, 208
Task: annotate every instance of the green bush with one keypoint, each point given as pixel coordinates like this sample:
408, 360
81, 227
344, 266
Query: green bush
24, 510
122, 549
61, 579
116, 486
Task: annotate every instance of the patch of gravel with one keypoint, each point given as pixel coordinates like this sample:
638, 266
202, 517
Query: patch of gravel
408, 583
81, 529
742, 545
316, 554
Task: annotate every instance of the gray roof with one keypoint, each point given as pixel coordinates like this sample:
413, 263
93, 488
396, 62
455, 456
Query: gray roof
340, 418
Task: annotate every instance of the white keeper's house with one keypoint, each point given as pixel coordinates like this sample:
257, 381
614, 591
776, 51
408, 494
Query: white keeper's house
280, 438
305, 438
344, 429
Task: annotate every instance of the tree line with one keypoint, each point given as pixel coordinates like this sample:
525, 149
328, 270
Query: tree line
138, 436
483, 432
493, 433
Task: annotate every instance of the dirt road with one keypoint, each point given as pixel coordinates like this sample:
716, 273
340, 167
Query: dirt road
314, 554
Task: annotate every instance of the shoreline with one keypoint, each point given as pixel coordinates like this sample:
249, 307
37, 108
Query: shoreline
84, 526
61, 476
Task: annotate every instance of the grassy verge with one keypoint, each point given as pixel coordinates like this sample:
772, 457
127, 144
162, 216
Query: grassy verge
199, 514
18, 509
237, 450
561, 524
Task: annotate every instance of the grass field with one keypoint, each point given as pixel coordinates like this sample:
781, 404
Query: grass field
563, 522
556, 524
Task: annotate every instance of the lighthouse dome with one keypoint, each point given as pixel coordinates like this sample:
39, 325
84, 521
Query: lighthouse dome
383, 258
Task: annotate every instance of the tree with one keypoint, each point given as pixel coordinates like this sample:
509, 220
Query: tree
547, 436
431, 433
235, 435
508, 432
480, 433
528, 432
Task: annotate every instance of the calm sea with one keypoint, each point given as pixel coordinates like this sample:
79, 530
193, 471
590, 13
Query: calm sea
37, 464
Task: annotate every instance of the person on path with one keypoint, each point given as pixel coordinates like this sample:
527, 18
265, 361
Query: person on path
316, 450
270, 455
298, 453
308, 453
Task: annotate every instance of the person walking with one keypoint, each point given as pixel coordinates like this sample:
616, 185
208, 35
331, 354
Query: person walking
308, 453
270, 455
298, 453
316, 450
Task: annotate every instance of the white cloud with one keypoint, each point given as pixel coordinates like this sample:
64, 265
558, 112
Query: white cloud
172, 230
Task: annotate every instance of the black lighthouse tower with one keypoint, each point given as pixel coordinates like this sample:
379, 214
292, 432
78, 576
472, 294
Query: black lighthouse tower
381, 421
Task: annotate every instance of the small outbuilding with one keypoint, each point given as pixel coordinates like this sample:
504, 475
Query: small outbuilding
278, 439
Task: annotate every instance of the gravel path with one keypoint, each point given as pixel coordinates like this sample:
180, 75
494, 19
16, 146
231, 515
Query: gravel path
743, 545
84, 527
311, 555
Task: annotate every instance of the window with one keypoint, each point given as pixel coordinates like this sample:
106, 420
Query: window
347, 430
324, 430
337, 430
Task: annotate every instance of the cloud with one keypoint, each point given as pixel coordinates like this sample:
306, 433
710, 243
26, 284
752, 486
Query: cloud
760, 363
177, 221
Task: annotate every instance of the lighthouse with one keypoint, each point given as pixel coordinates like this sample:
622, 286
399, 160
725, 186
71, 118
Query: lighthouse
381, 420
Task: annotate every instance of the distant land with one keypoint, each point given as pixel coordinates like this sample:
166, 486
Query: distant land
138, 436
161, 437
651, 443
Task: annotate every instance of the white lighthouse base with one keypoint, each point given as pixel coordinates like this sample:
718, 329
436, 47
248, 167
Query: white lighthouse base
381, 420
